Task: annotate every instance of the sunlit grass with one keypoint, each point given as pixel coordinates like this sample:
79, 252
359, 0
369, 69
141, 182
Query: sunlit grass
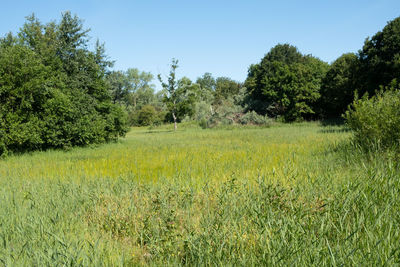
194, 155
295, 194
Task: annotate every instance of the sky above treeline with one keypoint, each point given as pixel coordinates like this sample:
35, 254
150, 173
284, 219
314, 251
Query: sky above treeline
220, 37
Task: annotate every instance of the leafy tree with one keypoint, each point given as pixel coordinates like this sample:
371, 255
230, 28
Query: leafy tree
188, 94
140, 89
147, 115
170, 94
338, 86
8, 40
225, 88
285, 83
376, 120
380, 59
118, 86
175, 96
26, 86
205, 91
134, 89
207, 82
53, 91
207, 85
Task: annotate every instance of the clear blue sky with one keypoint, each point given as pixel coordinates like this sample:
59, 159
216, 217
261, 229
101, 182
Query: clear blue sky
221, 37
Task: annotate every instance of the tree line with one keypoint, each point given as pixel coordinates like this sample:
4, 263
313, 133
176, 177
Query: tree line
55, 92
285, 85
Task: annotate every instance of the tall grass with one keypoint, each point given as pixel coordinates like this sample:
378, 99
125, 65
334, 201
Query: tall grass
288, 195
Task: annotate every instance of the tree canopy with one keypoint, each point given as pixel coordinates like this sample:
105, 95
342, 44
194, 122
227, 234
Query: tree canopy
338, 86
380, 59
285, 83
53, 91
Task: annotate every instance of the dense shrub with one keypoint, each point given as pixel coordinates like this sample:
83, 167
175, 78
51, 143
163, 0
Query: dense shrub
147, 115
226, 113
253, 118
376, 121
53, 92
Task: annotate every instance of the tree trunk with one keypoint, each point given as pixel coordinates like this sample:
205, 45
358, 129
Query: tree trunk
175, 125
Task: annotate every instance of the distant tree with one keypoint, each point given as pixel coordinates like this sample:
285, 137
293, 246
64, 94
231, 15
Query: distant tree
380, 59
170, 91
225, 88
180, 96
140, 89
285, 83
206, 81
338, 86
188, 93
207, 85
118, 86
132, 88
147, 115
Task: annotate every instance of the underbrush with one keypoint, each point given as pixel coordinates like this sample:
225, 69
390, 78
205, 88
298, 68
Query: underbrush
376, 121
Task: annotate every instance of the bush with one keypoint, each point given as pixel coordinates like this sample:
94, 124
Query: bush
147, 115
203, 124
226, 113
376, 121
254, 119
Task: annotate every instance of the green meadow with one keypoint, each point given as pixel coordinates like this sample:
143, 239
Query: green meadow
289, 194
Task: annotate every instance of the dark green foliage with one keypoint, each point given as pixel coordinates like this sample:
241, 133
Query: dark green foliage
53, 92
376, 121
207, 82
338, 86
380, 59
187, 95
285, 83
225, 88
118, 86
147, 115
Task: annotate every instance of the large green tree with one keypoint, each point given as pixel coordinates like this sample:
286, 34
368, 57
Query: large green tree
285, 83
380, 59
338, 86
53, 91
225, 88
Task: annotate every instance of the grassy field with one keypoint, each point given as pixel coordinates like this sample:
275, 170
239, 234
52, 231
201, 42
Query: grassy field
295, 194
